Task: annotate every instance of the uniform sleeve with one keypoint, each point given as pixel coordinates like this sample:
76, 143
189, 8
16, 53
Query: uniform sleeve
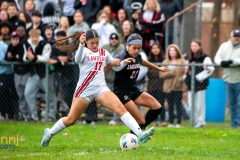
79, 54
109, 57
120, 55
143, 70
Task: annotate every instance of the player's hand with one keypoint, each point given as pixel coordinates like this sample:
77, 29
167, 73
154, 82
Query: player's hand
82, 39
115, 62
129, 60
163, 69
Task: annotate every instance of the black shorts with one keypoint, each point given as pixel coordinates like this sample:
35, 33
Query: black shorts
126, 96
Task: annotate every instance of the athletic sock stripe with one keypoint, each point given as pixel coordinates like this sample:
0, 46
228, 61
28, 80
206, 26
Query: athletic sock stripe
85, 83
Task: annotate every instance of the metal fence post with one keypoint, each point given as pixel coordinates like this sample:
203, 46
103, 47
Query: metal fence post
166, 36
175, 31
46, 94
193, 68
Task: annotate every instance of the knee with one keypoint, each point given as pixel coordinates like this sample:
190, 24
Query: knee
155, 105
69, 121
120, 109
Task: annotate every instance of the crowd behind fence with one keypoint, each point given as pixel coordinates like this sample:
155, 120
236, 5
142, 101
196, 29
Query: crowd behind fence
65, 80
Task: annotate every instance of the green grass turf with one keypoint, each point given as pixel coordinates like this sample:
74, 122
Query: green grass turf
101, 142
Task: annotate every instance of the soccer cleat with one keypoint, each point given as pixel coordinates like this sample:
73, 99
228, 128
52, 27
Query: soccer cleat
145, 136
46, 138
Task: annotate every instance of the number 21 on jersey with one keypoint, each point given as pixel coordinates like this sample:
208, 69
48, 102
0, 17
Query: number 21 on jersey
134, 74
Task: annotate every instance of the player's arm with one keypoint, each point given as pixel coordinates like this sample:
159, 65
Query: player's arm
114, 62
79, 54
152, 66
123, 63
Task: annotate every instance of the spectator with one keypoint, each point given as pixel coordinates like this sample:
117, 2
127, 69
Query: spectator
57, 61
116, 5
133, 8
88, 5
21, 72
22, 32
29, 7
3, 15
8, 108
229, 58
173, 83
23, 16
150, 24
49, 17
203, 73
41, 4
155, 83
103, 27
38, 51
113, 48
127, 29
5, 30
108, 11
4, 5
169, 8
49, 35
63, 25
36, 23
15, 2
79, 24
68, 10
121, 17
13, 15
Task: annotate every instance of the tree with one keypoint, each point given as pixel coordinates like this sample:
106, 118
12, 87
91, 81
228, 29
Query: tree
236, 15
215, 38
216, 20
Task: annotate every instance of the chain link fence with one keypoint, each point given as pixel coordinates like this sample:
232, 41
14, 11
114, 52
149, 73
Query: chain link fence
184, 27
195, 101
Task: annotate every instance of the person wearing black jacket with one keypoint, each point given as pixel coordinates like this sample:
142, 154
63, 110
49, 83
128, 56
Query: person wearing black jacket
13, 15
57, 61
15, 52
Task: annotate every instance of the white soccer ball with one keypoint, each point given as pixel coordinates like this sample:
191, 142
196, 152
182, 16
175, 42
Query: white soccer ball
129, 142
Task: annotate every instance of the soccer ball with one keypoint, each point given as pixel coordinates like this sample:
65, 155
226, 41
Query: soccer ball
129, 142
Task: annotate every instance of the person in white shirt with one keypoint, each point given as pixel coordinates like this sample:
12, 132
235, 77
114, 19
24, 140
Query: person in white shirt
228, 56
104, 28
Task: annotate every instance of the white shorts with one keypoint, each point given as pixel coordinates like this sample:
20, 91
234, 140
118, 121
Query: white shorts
90, 92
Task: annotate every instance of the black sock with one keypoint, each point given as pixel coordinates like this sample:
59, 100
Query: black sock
151, 115
142, 126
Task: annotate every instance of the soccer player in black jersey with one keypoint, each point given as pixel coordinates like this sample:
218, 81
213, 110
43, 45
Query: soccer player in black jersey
125, 82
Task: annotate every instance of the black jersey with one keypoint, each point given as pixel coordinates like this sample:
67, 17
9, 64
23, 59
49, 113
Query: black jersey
125, 79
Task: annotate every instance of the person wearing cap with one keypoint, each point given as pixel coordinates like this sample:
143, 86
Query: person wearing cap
5, 30
37, 50
228, 56
15, 53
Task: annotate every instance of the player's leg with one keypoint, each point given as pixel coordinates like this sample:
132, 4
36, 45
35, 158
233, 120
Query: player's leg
111, 101
150, 102
77, 108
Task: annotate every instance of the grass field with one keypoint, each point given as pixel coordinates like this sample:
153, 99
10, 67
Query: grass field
101, 142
